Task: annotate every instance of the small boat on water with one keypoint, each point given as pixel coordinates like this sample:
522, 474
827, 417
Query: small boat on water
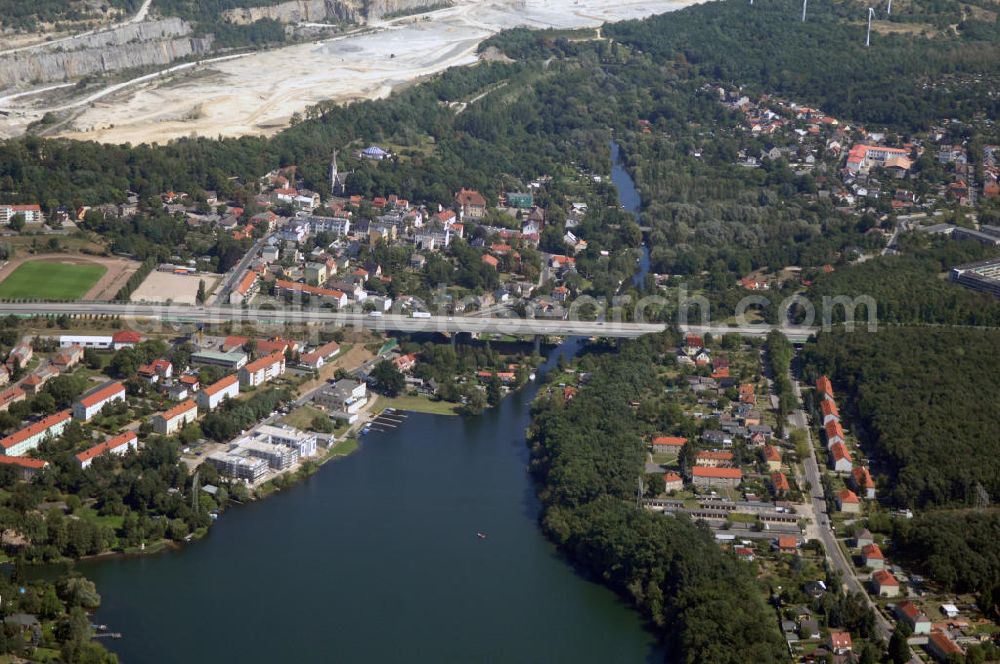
531, 376
481, 535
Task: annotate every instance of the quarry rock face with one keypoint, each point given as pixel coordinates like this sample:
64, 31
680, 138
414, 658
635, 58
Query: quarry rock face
130, 46
356, 11
287, 12
160, 42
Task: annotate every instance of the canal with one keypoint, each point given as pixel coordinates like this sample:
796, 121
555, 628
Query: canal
376, 558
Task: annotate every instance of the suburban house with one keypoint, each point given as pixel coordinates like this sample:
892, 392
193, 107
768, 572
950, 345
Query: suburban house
225, 388
671, 444
125, 339
713, 459
120, 444
840, 458
24, 440
68, 357
787, 544
263, 370
27, 466
19, 356
780, 484
834, 433
862, 482
840, 643
672, 482
872, 557
862, 538
406, 363
884, 584
175, 419
716, 477
772, 456
34, 383
824, 388
470, 203
942, 647
828, 411
847, 501
190, 381
156, 370
318, 357
915, 619
92, 403
10, 396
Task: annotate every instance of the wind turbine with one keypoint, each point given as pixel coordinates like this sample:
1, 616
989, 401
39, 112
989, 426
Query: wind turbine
868, 37
804, 3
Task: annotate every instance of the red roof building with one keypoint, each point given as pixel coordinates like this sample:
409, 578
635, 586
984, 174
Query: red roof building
713, 459
672, 482
125, 338
120, 444
788, 543
840, 642
669, 442
91, 404
780, 483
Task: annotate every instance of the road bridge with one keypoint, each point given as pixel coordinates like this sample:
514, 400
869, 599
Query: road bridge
514, 326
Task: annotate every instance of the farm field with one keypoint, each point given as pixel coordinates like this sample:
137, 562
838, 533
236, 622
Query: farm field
50, 280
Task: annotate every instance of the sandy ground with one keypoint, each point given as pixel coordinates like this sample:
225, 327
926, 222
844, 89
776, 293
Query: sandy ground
119, 270
178, 288
257, 93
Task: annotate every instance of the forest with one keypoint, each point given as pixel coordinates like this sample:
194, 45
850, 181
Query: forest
957, 548
587, 457
909, 288
917, 399
25, 16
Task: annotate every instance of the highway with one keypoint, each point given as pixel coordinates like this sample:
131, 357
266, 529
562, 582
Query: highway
388, 322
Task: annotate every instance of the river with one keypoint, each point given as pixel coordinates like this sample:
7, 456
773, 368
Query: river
376, 558
629, 199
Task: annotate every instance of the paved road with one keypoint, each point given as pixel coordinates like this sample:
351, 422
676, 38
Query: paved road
221, 295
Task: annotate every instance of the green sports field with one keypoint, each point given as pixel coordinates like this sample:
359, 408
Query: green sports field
47, 280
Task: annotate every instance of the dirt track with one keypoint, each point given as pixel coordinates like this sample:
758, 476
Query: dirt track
119, 270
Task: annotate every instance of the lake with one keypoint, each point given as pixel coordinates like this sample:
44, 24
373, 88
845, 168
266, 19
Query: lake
376, 558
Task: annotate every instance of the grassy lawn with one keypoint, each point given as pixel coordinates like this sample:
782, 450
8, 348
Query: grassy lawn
418, 404
344, 447
47, 280
743, 518
90, 514
302, 417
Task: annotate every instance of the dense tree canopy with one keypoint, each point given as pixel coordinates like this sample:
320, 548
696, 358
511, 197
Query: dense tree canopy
919, 398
